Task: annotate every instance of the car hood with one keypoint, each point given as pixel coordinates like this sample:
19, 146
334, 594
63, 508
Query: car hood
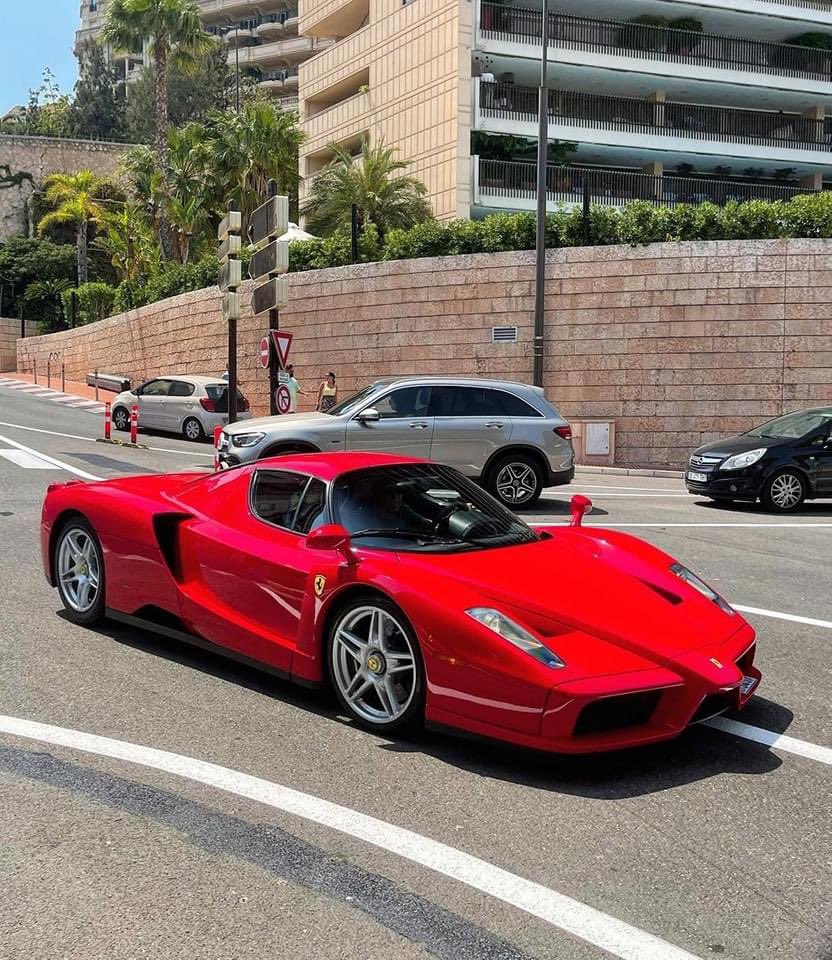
734, 445
576, 583
289, 423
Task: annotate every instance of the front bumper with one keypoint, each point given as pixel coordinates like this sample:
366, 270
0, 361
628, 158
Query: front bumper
559, 478
732, 485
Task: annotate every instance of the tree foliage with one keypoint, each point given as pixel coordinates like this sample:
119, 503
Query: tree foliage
98, 110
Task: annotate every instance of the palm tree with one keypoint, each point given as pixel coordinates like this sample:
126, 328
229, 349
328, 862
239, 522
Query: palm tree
173, 31
76, 198
47, 293
373, 182
127, 240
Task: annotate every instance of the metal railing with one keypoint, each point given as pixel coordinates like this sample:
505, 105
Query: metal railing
623, 38
810, 4
516, 180
690, 120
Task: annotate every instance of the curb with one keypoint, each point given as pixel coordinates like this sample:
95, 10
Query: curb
627, 472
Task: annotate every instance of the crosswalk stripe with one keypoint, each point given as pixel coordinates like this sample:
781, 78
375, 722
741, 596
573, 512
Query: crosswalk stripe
27, 460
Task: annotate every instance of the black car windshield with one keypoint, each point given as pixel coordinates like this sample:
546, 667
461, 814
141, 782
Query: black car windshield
424, 507
793, 425
353, 402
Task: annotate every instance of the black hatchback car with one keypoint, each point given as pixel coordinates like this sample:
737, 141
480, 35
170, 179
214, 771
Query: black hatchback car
782, 463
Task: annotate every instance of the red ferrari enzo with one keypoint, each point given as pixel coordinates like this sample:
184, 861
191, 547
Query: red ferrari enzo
410, 591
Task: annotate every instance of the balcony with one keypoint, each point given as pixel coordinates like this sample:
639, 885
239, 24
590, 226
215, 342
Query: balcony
292, 50
515, 30
512, 185
623, 122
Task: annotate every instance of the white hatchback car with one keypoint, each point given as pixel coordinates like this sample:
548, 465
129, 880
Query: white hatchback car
192, 406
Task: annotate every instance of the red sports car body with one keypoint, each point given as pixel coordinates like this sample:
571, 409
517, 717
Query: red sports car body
564, 638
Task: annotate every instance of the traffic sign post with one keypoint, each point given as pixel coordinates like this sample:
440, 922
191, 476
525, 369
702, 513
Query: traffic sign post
229, 280
271, 258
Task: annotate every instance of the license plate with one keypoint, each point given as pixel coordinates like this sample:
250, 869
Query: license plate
747, 685
698, 477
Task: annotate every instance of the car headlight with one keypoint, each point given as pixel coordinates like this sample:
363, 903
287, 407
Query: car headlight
514, 633
246, 439
689, 577
742, 459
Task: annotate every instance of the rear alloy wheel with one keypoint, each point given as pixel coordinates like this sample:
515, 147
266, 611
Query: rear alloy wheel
121, 418
192, 429
516, 481
79, 572
376, 666
784, 492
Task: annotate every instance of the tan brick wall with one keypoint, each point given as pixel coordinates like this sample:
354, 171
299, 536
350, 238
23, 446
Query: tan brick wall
677, 343
9, 332
41, 156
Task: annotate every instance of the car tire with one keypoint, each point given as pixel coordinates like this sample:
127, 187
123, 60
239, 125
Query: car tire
379, 682
783, 492
192, 430
121, 419
78, 564
516, 480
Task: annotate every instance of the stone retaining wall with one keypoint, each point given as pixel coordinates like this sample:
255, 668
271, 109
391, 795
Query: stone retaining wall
677, 343
9, 334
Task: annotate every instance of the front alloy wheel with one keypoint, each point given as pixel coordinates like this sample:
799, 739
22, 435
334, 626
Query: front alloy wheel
516, 481
375, 665
784, 492
79, 571
121, 418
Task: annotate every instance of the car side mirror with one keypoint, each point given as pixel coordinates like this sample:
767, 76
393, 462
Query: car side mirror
370, 415
331, 536
579, 507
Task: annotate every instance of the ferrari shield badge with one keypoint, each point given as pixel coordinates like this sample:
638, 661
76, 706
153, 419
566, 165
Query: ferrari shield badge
718, 664
320, 584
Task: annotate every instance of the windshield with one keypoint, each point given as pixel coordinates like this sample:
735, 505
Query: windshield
793, 425
423, 506
352, 403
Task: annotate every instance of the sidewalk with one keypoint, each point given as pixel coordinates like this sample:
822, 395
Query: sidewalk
69, 387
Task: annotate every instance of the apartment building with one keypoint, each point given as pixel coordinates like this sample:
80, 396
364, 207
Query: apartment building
666, 100
261, 37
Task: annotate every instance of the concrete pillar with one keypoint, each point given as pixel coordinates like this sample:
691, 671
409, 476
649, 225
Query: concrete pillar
817, 113
655, 169
657, 98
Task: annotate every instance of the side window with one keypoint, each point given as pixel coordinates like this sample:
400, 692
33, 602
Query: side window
156, 388
179, 388
312, 510
515, 407
407, 402
277, 495
465, 402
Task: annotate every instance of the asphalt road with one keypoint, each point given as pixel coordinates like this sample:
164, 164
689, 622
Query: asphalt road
713, 845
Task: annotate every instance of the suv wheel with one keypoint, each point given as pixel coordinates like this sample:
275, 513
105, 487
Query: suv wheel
516, 480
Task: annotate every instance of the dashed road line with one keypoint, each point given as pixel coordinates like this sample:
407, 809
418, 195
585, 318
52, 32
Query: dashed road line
658, 524
777, 615
28, 461
778, 741
576, 918
60, 464
76, 436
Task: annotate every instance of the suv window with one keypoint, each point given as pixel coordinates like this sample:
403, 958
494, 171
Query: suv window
156, 388
179, 388
465, 402
515, 407
407, 402
288, 500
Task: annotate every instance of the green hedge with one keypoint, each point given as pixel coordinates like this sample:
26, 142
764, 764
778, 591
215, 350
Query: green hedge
93, 301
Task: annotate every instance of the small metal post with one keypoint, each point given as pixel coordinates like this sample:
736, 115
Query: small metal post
35, 370
49, 373
95, 376
63, 377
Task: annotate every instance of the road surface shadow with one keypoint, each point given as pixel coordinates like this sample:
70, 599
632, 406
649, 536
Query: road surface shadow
699, 753
811, 509
555, 508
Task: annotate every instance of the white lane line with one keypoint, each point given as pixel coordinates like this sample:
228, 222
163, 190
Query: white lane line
75, 436
27, 460
89, 403
808, 525
576, 485
582, 921
55, 462
793, 617
779, 741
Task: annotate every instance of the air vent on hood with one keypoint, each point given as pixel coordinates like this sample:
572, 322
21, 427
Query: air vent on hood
668, 595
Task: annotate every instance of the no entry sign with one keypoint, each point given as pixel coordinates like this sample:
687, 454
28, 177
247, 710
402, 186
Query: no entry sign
283, 399
265, 352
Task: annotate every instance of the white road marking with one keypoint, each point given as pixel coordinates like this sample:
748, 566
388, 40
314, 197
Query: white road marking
25, 459
55, 462
779, 741
75, 436
582, 921
808, 525
793, 617
577, 485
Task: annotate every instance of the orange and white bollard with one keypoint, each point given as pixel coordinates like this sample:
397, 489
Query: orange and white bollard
217, 435
107, 421
134, 424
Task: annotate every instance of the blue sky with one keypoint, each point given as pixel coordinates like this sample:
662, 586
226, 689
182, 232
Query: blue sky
35, 34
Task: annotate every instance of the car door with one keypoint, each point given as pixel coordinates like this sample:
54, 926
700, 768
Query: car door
821, 459
469, 426
179, 402
244, 584
404, 425
150, 399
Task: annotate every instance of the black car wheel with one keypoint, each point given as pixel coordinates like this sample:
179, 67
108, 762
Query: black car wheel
784, 492
375, 665
78, 563
192, 430
516, 480
121, 418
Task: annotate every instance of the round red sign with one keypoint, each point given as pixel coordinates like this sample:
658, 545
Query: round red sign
283, 398
265, 352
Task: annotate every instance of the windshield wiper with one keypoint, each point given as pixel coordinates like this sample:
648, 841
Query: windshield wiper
404, 535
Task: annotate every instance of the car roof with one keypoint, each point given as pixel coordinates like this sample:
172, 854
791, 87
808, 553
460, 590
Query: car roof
329, 466
464, 381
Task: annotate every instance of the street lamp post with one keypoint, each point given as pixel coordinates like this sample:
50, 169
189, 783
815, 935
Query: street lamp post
542, 159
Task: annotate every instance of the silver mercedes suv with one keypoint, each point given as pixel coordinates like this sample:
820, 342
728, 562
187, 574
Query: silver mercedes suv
506, 435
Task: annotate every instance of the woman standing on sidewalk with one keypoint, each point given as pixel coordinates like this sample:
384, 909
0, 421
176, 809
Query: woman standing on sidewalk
327, 393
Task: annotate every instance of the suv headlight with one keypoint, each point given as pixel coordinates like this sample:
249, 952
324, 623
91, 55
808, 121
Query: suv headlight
246, 439
689, 577
514, 633
742, 459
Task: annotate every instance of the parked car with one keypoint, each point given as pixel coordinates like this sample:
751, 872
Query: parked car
412, 593
192, 406
506, 435
782, 463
